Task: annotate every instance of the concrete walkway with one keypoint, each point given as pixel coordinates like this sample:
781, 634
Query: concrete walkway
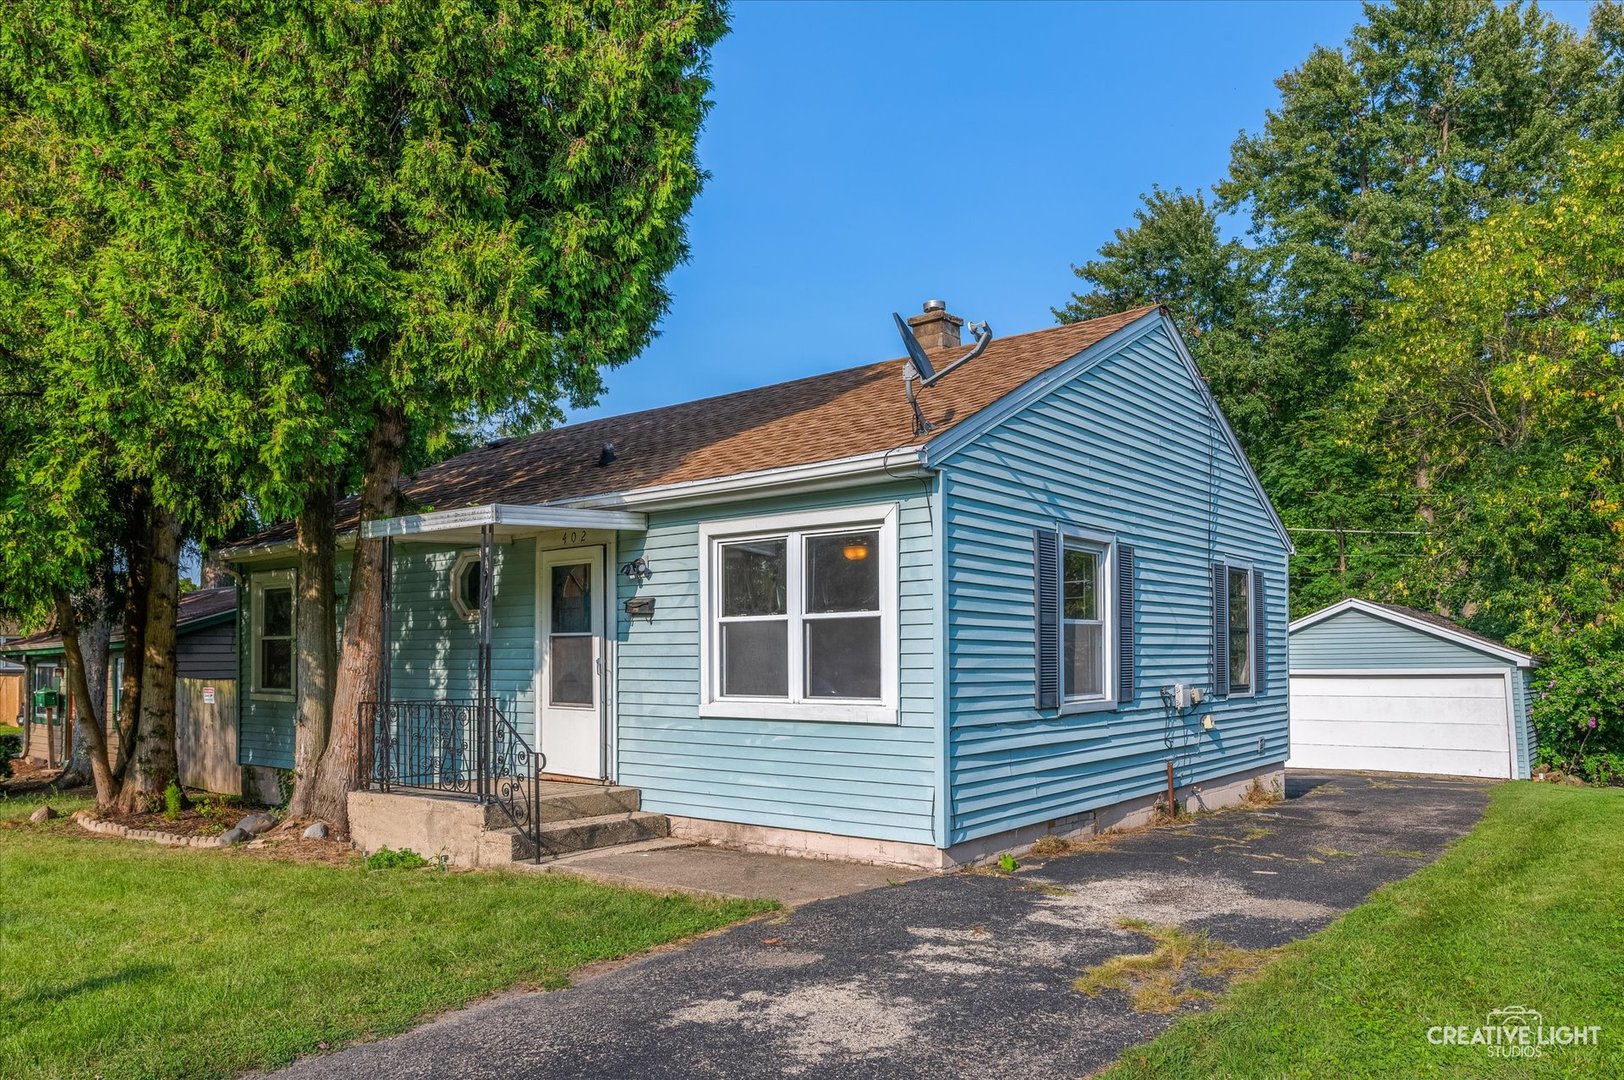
965, 975
683, 866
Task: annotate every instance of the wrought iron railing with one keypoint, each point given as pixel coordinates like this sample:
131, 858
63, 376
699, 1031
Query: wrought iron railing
456, 747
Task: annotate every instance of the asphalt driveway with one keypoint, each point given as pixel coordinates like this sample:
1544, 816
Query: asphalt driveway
964, 975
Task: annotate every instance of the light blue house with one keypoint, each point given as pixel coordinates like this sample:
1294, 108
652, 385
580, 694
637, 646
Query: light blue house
863, 614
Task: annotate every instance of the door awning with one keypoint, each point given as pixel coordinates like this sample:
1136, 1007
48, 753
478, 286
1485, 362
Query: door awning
507, 519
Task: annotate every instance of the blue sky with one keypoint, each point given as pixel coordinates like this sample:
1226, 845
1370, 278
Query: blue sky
867, 157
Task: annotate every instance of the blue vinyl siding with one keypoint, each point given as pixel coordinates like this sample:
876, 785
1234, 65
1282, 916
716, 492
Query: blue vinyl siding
1356, 640
1359, 641
434, 649
1127, 446
851, 779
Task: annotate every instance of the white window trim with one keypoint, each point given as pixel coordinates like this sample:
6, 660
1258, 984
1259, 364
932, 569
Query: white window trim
270, 579
711, 537
1231, 565
464, 559
1105, 542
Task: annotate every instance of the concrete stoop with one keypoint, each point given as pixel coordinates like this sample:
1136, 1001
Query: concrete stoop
574, 818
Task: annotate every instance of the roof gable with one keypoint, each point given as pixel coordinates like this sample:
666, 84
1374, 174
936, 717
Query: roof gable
1149, 321
1424, 622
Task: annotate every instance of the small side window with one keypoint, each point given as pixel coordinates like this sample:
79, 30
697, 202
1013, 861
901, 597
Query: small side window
273, 634
465, 584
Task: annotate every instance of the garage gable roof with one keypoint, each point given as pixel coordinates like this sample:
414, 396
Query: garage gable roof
1425, 622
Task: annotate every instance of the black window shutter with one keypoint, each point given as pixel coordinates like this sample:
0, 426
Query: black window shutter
1220, 630
1260, 635
1046, 598
1124, 624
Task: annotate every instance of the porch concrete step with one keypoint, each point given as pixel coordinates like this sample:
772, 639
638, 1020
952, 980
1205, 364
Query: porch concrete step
575, 834
560, 801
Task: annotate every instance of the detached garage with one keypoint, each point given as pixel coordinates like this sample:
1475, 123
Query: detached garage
1392, 689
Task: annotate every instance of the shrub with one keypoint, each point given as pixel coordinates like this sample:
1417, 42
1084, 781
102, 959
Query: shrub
10, 746
389, 859
1578, 710
173, 801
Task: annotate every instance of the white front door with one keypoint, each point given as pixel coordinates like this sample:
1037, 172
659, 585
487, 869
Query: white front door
569, 693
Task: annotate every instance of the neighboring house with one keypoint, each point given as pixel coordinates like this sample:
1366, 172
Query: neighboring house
1388, 688
793, 619
206, 691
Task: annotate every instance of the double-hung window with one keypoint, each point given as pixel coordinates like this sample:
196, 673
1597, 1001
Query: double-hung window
1085, 620
1083, 605
801, 615
273, 634
1239, 630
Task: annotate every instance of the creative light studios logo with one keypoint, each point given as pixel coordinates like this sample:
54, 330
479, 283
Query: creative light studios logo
1515, 1031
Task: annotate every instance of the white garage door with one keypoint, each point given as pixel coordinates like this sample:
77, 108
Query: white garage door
1449, 724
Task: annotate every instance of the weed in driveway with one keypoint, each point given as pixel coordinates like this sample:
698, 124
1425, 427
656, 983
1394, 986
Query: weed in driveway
1163, 979
1258, 795
1047, 847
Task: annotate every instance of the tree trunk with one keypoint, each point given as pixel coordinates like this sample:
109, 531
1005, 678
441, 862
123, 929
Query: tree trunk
137, 580
84, 651
153, 762
316, 640
361, 656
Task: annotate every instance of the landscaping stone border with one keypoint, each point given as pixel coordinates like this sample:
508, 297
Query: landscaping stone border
157, 836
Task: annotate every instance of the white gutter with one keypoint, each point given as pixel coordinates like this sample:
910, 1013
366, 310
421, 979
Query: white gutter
901, 463
508, 514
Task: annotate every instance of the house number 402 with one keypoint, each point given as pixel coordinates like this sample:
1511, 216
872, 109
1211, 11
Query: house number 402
573, 536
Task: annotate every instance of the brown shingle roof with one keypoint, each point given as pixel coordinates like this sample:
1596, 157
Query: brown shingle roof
194, 607
1432, 618
825, 417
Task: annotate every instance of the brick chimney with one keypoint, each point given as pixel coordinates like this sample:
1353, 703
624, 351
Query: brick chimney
936, 328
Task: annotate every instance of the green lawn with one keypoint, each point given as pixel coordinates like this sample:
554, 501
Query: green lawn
1527, 910
127, 960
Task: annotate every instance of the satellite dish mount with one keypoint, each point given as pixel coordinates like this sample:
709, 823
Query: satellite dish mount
920, 368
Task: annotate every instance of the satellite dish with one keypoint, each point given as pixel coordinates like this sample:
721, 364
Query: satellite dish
916, 353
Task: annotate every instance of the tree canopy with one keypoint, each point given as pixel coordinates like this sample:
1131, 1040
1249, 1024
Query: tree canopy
1417, 342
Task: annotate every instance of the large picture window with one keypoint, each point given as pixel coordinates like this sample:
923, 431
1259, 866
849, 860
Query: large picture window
802, 611
273, 634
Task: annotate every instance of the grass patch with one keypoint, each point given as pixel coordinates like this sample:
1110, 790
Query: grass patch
1523, 911
1257, 833
131, 960
1164, 978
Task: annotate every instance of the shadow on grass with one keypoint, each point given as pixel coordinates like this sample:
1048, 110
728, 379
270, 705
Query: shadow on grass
46, 994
